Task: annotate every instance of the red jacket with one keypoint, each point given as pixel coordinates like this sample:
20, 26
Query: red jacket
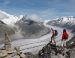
65, 36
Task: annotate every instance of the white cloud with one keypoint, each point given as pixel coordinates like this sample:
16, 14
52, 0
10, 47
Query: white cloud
35, 17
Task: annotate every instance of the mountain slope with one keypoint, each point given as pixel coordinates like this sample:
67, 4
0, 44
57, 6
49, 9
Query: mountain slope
31, 29
5, 28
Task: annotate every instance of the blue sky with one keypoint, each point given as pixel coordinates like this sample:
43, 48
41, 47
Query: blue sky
46, 9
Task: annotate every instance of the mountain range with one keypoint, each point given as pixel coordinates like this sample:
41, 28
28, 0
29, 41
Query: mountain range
65, 22
27, 26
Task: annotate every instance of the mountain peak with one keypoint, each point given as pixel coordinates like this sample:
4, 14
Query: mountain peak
67, 19
8, 19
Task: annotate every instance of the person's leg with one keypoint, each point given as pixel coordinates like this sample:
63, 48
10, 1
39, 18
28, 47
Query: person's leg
52, 38
64, 45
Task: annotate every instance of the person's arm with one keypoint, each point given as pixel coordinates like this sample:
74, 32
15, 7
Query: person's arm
52, 30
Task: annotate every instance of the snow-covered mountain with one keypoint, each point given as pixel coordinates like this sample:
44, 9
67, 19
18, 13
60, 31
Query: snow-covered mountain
29, 25
66, 22
9, 19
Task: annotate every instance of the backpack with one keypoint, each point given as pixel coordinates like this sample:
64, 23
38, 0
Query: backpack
56, 32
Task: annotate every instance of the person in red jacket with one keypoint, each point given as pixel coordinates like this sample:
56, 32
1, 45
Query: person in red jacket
65, 36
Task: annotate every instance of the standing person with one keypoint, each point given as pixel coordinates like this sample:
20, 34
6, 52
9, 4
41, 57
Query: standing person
54, 34
53, 42
65, 36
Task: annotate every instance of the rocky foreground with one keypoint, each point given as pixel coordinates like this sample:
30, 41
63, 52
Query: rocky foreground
48, 51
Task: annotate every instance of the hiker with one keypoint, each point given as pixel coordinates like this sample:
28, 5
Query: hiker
65, 36
54, 34
53, 42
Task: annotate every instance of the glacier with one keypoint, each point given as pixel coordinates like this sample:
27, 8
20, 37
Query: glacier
34, 45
